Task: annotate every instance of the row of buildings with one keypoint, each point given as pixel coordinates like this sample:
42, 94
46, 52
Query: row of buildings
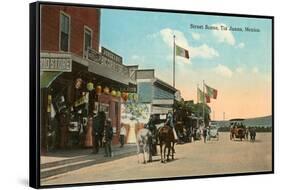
77, 77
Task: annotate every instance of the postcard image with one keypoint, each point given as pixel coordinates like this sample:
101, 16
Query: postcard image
132, 95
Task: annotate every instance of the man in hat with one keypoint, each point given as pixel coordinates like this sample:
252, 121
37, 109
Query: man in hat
123, 133
95, 132
170, 123
107, 138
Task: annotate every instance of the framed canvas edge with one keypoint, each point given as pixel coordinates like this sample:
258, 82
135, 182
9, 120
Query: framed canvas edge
34, 99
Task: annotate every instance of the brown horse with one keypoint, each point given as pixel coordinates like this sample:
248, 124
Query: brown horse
166, 141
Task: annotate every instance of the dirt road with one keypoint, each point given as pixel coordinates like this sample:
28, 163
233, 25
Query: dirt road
191, 159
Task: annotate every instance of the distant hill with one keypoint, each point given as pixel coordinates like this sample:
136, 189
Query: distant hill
265, 121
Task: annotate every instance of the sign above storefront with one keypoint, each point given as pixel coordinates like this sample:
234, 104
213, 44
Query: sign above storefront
130, 89
160, 110
55, 64
93, 55
109, 65
110, 55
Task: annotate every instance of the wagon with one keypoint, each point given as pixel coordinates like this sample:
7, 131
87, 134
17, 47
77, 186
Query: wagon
237, 129
213, 133
213, 130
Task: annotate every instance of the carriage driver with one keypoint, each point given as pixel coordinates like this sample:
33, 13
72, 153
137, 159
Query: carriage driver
150, 125
170, 123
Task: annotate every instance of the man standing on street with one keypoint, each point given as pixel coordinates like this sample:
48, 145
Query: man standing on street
97, 132
205, 134
122, 135
107, 138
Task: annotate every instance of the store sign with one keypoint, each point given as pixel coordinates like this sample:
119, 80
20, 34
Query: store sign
161, 110
55, 64
93, 55
130, 89
111, 56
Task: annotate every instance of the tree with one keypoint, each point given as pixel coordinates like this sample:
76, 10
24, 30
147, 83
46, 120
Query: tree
199, 111
193, 109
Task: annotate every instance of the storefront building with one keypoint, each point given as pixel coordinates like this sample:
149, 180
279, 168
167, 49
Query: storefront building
76, 79
155, 93
154, 96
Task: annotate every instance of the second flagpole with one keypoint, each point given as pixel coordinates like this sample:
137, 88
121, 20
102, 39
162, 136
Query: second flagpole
174, 61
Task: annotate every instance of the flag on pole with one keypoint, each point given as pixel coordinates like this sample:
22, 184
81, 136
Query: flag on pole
202, 97
182, 52
211, 92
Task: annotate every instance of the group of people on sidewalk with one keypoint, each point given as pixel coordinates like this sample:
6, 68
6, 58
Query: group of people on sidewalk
102, 134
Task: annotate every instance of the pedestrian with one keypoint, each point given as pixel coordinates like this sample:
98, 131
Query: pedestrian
204, 134
107, 138
123, 134
64, 122
96, 126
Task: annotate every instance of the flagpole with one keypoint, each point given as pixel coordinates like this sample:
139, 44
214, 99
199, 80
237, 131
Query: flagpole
203, 104
174, 61
197, 93
174, 72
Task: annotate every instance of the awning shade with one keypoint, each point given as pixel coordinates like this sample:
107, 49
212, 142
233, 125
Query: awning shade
46, 78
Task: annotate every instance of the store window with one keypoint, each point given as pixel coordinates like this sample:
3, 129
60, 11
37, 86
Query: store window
64, 32
87, 39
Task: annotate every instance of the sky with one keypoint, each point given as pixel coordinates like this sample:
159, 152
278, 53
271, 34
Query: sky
237, 64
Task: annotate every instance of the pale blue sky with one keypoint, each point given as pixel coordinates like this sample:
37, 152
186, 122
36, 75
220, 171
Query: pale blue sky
223, 59
130, 33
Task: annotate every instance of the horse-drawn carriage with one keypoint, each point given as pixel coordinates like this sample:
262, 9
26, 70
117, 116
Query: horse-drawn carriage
187, 127
156, 132
237, 129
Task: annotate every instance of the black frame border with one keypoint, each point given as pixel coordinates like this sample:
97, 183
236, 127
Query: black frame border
34, 93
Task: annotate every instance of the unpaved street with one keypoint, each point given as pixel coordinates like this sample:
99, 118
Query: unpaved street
191, 159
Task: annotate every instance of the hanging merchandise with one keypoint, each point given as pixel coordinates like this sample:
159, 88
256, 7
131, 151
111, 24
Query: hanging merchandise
136, 97
113, 93
106, 90
90, 86
83, 100
125, 96
118, 93
130, 96
60, 104
98, 89
49, 104
78, 83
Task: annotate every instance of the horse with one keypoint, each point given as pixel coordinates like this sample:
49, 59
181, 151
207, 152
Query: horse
144, 144
166, 141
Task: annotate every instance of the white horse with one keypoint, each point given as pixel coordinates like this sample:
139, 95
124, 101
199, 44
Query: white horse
144, 140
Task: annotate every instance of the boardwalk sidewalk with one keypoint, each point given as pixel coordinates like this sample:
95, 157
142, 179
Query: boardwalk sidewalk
62, 161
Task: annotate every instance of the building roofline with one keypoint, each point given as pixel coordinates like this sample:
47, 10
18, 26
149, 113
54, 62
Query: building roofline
132, 65
146, 70
161, 82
